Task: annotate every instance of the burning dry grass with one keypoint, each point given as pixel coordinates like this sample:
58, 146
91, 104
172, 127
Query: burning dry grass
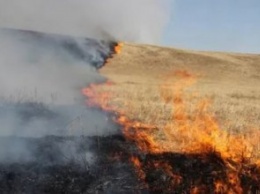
228, 80
204, 111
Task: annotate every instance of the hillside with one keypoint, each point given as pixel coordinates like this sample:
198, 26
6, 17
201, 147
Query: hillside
194, 116
231, 81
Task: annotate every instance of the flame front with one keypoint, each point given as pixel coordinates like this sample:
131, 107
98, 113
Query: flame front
118, 48
194, 137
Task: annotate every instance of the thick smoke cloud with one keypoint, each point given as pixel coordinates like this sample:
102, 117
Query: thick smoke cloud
47, 67
132, 20
41, 77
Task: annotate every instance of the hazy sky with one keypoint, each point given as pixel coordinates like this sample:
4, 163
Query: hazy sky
226, 25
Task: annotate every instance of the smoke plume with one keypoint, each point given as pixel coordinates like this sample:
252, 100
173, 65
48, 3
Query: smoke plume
41, 77
43, 116
134, 20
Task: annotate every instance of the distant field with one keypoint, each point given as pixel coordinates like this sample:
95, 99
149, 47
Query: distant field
230, 81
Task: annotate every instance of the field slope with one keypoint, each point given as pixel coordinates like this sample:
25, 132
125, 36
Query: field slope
231, 81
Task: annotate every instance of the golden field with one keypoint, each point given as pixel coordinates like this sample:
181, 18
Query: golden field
196, 104
230, 81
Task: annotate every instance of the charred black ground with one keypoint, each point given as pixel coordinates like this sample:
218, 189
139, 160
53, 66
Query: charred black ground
52, 172
183, 173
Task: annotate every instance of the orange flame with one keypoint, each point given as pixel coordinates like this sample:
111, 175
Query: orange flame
198, 132
138, 167
118, 48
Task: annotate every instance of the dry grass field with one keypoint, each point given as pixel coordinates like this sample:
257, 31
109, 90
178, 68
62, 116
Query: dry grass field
172, 102
230, 81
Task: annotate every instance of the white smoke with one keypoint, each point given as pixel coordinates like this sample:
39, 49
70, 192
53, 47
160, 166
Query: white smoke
132, 20
41, 77
39, 68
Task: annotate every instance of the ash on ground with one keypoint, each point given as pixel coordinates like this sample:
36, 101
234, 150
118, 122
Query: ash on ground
53, 168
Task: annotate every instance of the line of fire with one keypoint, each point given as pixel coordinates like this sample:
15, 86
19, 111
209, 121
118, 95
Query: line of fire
90, 126
193, 155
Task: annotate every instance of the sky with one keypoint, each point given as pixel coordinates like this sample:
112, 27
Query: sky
218, 25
